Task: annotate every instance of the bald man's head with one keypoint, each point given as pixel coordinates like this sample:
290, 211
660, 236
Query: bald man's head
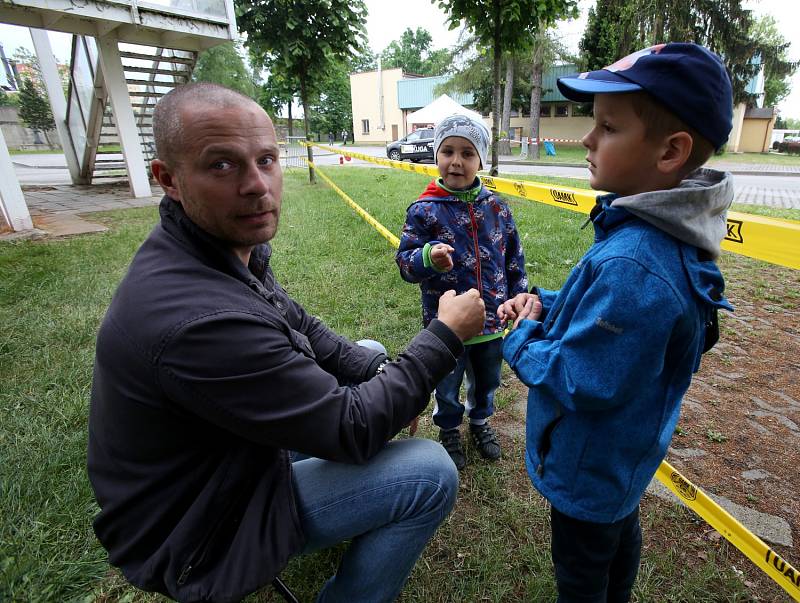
168, 114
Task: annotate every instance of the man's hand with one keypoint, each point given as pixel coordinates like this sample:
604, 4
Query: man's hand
442, 257
464, 314
523, 305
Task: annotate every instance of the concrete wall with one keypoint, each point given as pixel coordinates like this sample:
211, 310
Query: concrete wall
364, 88
18, 137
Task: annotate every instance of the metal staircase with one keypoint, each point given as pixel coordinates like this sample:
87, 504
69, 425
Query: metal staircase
149, 73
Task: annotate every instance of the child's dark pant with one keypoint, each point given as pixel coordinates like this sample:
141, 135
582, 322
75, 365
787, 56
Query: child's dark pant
595, 562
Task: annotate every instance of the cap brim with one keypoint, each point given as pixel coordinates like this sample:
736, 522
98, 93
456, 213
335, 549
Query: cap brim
582, 90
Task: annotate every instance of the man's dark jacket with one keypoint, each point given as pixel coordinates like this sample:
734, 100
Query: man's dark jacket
206, 373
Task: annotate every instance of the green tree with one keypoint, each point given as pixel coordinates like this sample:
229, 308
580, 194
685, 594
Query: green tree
224, 65
778, 69
275, 94
303, 41
545, 49
7, 100
504, 26
792, 123
332, 110
34, 110
412, 53
364, 61
616, 28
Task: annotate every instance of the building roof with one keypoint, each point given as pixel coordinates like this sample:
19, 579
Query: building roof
550, 91
419, 92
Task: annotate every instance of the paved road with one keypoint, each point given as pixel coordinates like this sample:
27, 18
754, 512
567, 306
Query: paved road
770, 188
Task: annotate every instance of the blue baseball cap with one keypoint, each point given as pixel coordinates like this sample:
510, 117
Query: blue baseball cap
688, 79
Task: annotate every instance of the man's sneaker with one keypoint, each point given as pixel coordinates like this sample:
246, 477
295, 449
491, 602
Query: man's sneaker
451, 440
485, 441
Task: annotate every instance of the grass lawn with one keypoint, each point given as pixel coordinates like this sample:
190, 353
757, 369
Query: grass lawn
494, 547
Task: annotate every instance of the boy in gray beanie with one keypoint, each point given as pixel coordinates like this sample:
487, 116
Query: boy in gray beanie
459, 235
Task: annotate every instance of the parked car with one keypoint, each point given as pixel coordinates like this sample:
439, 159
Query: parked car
416, 146
790, 145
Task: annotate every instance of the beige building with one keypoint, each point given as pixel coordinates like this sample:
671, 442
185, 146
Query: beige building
752, 129
376, 114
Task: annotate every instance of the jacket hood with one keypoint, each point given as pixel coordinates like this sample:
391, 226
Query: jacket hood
434, 192
694, 212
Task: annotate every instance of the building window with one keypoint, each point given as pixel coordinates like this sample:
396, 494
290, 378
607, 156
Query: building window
582, 110
562, 110
365, 126
544, 111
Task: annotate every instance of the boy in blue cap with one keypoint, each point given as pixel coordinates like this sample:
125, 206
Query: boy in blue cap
609, 357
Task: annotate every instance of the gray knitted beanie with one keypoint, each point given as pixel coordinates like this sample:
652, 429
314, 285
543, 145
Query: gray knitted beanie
465, 127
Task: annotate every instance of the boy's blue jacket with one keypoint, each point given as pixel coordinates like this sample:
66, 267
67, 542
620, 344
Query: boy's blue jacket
613, 351
482, 228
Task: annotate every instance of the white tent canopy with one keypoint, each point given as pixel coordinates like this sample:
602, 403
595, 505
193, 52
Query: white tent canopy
433, 113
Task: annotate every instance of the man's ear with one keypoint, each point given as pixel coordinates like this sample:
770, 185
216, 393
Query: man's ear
165, 177
675, 152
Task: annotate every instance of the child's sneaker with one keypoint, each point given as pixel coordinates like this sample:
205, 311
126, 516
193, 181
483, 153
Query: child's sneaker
485, 441
451, 440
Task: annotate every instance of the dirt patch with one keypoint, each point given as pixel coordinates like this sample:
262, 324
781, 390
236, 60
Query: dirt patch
739, 431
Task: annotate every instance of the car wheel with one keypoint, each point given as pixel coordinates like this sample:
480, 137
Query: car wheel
394, 155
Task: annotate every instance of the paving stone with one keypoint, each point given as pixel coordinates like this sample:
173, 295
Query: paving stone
66, 225
788, 399
764, 405
755, 474
771, 528
687, 453
778, 417
759, 427
694, 405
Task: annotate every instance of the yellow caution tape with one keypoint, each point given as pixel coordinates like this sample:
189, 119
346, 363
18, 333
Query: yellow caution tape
770, 239
748, 543
718, 518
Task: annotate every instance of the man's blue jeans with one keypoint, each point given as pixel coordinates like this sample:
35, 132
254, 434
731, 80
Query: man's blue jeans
482, 363
390, 507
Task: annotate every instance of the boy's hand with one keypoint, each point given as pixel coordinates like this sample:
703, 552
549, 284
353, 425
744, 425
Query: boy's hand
464, 314
522, 306
442, 257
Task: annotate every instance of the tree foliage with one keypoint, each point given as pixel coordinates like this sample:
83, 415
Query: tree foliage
504, 26
475, 76
332, 109
617, 28
224, 65
412, 53
303, 41
777, 67
34, 110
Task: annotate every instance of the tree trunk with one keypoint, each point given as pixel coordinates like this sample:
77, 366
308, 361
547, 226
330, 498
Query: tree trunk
536, 104
505, 123
290, 117
496, 87
304, 98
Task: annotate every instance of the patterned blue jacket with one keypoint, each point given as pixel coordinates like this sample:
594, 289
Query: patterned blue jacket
488, 255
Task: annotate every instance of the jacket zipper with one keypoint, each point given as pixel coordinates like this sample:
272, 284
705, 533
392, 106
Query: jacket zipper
477, 248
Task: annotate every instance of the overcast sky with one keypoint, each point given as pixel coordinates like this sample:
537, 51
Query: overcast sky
389, 18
